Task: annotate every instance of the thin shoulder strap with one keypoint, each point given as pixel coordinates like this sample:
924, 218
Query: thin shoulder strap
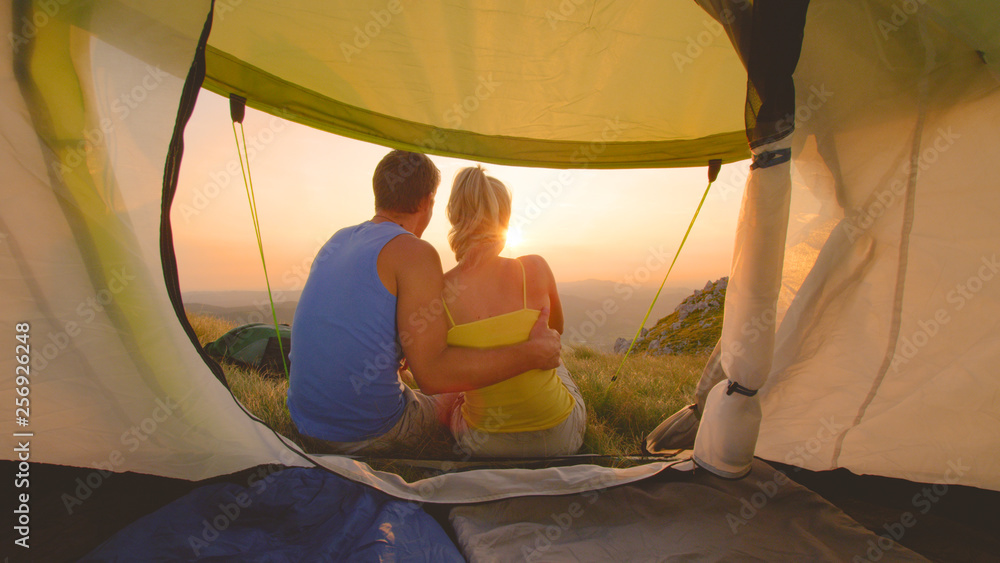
447, 312
524, 282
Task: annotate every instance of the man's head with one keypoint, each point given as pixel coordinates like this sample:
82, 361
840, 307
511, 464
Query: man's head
403, 181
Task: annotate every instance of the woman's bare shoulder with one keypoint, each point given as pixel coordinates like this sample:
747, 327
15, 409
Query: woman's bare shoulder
534, 260
536, 267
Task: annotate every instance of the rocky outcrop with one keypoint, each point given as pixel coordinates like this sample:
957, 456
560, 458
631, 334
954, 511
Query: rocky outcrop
621, 344
693, 328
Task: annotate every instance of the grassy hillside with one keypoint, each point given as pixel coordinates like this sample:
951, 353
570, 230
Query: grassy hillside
619, 416
693, 327
245, 314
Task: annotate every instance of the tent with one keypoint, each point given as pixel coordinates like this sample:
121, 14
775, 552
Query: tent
862, 314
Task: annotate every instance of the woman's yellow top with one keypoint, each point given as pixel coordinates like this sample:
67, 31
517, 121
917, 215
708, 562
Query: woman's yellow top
533, 400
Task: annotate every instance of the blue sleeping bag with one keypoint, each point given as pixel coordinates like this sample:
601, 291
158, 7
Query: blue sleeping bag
299, 514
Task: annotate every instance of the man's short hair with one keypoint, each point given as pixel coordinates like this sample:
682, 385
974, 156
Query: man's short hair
402, 180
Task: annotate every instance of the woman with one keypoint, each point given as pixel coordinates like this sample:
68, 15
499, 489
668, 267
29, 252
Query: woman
495, 301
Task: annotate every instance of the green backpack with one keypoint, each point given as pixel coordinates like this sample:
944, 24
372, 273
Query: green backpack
254, 345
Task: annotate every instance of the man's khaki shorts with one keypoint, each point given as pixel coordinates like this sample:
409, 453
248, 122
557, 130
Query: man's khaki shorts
423, 416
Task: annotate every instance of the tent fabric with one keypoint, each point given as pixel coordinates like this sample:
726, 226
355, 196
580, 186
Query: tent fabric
872, 78
114, 378
768, 37
690, 517
522, 83
454, 485
730, 420
255, 345
323, 517
886, 346
117, 381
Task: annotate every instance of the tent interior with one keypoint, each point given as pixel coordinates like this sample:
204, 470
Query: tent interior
851, 410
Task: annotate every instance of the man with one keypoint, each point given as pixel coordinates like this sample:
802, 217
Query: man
373, 295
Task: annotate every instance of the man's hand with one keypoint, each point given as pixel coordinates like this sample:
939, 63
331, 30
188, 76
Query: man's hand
423, 334
546, 344
405, 375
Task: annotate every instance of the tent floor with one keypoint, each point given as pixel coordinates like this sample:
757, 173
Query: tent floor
73, 510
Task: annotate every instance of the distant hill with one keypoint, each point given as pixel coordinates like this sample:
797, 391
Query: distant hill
238, 298
694, 326
242, 307
599, 311
596, 311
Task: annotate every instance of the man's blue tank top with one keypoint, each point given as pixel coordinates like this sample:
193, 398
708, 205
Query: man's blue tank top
343, 384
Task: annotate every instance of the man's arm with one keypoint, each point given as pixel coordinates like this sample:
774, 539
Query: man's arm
423, 328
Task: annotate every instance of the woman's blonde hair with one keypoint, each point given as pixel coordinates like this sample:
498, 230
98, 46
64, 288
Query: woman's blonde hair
479, 210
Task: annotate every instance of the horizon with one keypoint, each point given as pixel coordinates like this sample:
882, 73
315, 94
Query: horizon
650, 286
588, 224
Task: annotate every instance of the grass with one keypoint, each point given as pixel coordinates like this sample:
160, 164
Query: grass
648, 390
619, 415
697, 333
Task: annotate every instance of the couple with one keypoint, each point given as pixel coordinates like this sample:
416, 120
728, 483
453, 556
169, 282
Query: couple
484, 352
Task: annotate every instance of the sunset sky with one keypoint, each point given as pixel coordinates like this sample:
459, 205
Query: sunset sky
617, 225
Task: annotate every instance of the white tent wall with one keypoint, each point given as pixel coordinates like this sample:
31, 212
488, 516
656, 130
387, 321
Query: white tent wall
887, 349
115, 382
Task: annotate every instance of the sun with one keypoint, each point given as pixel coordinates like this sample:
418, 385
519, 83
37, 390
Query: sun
514, 238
